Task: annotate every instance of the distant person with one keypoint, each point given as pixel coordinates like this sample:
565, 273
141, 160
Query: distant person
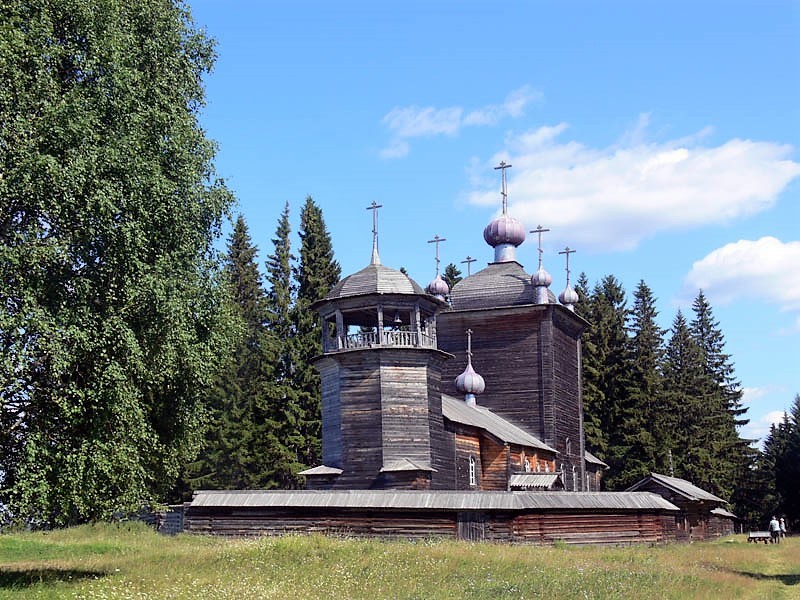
775, 530
783, 528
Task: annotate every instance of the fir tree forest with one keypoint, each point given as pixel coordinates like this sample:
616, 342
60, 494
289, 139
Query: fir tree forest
140, 362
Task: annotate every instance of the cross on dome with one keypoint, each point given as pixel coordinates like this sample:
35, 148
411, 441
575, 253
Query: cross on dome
437, 240
469, 262
540, 231
374, 208
504, 190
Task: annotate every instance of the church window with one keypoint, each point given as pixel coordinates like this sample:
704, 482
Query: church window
569, 446
527, 465
473, 472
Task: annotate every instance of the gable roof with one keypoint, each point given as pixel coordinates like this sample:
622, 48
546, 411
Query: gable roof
680, 486
591, 458
459, 411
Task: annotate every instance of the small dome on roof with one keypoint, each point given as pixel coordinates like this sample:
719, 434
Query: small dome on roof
469, 382
438, 287
541, 278
569, 297
375, 279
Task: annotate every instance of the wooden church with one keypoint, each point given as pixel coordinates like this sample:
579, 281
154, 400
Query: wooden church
400, 407
453, 412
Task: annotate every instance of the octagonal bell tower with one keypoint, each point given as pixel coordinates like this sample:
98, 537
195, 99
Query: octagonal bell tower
381, 375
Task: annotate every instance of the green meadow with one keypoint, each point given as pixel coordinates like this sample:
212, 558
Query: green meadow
131, 561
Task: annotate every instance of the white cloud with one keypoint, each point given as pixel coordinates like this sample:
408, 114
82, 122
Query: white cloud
397, 149
735, 270
612, 198
414, 121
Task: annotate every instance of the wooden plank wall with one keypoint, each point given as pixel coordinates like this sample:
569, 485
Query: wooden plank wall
494, 473
504, 353
404, 407
500, 526
568, 423
589, 528
467, 443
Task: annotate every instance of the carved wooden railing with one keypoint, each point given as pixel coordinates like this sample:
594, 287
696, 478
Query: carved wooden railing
384, 339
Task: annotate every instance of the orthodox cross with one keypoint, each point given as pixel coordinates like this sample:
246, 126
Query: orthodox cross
502, 167
469, 261
374, 208
540, 231
469, 346
567, 251
436, 240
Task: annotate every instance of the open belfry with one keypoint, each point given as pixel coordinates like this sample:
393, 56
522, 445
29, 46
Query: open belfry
474, 388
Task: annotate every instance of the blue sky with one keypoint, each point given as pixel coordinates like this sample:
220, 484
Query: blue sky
660, 140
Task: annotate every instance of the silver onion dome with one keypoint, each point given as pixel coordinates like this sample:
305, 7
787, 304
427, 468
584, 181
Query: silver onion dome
541, 281
569, 297
504, 233
505, 229
469, 382
438, 287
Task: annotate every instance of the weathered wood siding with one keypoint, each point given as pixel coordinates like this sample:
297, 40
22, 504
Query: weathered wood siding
494, 475
590, 528
533, 527
344, 522
467, 444
404, 403
568, 424
529, 357
695, 521
383, 405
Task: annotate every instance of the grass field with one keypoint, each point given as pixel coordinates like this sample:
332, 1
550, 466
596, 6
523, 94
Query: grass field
131, 561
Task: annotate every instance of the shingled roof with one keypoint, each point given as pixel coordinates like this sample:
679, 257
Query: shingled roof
459, 411
680, 486
374, 279
431, 500
499, 284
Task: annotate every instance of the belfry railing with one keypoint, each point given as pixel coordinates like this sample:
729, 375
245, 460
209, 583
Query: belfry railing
380, 339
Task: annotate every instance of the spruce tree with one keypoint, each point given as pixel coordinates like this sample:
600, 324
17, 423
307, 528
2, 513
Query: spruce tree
284, 435
787, 467
236, 454
452, 275
640, 430
722, 397
591, 362
316, 273
112, 324
606, 378
692, 425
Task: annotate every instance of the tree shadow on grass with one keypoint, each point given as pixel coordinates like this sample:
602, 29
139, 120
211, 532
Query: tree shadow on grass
11, 578
784, 578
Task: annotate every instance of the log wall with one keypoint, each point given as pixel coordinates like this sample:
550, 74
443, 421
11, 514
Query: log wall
529, 357
533, 527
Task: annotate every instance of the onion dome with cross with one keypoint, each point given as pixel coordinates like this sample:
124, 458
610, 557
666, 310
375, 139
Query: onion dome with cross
505, 232
469, 382
438, 287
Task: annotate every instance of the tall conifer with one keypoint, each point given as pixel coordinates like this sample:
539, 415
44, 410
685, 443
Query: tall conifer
606, 368
640, 430
722, 397
316, 273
